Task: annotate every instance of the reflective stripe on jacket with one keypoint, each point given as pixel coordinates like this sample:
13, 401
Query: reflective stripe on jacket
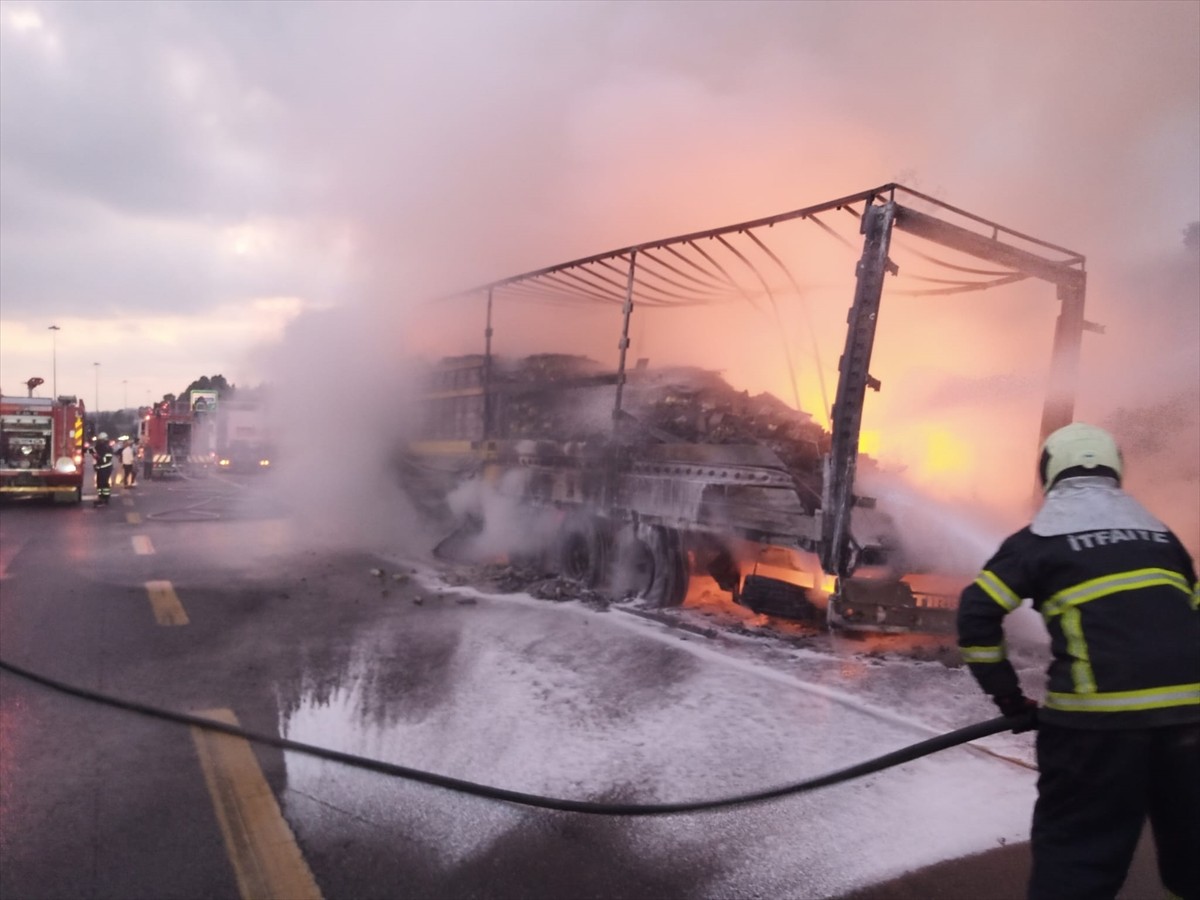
1122, 610
103, 455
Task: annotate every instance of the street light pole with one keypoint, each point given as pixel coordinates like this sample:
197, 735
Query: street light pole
54, 330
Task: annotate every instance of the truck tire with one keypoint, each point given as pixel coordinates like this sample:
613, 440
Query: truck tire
583, 549
653, 566
776, 597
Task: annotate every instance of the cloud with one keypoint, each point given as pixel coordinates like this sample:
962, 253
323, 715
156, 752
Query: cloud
430, 127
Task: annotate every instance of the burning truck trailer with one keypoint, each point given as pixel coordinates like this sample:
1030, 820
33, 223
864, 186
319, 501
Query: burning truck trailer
679, 473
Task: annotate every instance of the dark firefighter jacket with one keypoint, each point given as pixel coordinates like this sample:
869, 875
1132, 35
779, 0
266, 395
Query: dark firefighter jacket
102, 452
1120, 603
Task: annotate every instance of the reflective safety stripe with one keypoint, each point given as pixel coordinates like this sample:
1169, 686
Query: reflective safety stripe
1196, 595
983, 654
1066, 603
1081, 667
1127, 701
998, 590
1112, 584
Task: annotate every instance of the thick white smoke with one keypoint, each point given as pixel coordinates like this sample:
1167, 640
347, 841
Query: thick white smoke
502, 151
343, 406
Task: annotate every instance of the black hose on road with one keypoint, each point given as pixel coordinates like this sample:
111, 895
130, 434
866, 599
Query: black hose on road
895, 758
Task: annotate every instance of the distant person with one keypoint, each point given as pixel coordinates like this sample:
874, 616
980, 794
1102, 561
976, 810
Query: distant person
128, 459
102, 466
1119, 731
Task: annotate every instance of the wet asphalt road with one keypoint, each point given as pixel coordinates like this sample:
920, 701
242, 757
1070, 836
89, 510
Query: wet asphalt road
97, 802
100, 803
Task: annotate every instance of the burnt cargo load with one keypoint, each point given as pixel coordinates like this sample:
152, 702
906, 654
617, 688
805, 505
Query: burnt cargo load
697, 477
41, 442
648, 476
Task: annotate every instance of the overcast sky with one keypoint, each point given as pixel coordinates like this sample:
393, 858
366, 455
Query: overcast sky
182, 184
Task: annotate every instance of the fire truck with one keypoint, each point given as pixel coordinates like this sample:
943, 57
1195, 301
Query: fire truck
774, 517
41, 442
165, 435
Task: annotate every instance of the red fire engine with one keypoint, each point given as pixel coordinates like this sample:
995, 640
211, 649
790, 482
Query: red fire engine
41, 447
165, 434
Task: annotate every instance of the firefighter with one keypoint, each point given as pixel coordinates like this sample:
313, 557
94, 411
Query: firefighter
1118, 735
102, 456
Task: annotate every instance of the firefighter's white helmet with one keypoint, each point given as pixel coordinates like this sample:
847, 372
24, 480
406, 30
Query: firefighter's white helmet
103, 435
1079, 449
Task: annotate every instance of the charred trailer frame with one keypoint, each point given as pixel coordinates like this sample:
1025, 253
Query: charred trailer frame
673, 505
854, 603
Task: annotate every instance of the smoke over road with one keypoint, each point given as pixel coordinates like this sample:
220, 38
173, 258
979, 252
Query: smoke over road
326, 164
675, 124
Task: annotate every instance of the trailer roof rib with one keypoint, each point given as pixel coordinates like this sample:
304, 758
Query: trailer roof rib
700, 276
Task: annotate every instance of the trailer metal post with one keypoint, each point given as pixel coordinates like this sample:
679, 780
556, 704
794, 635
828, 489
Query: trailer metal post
487, 371
623, 345
853, 378
1059, 407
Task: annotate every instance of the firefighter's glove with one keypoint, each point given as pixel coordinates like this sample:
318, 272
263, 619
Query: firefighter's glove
1020, 708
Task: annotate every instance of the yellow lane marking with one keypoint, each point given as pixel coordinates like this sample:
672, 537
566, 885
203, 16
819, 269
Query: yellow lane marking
128, 501
133, 518
165, 603
142, 545
261, 846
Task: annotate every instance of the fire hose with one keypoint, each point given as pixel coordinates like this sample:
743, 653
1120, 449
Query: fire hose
896, 757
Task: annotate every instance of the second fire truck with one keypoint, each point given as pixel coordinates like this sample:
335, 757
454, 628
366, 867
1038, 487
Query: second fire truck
165, 434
